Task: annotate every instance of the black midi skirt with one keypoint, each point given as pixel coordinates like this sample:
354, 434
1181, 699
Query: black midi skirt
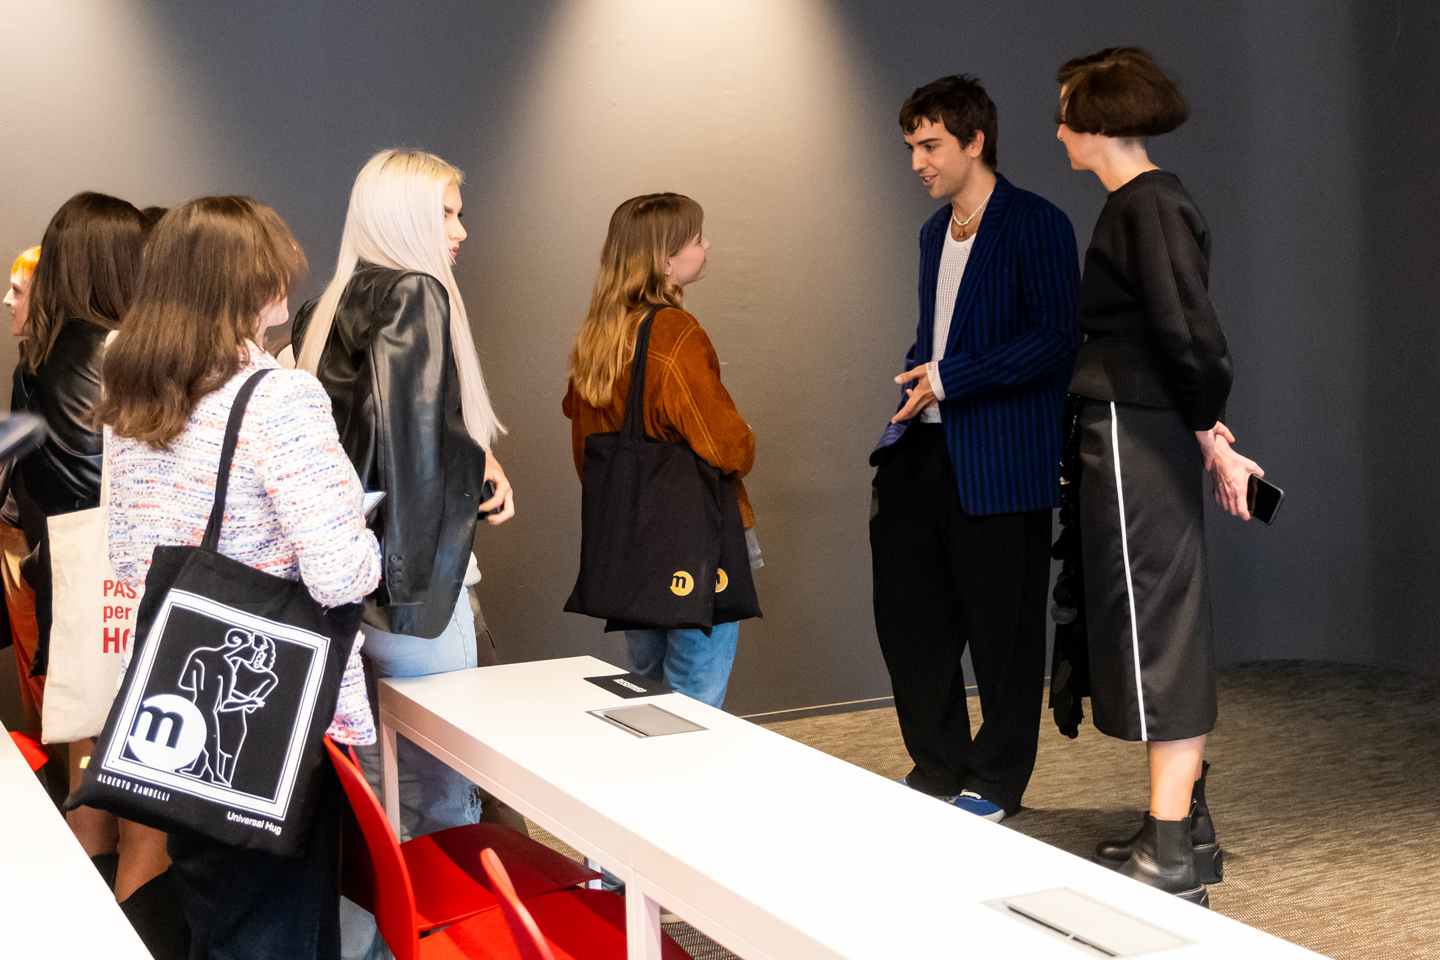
1147, 596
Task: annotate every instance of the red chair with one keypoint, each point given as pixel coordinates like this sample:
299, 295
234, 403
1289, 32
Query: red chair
568, 925
375, 867
528, 939
446, 882
31, 750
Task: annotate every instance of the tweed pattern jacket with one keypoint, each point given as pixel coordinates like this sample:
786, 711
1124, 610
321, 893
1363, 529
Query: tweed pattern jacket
293, 508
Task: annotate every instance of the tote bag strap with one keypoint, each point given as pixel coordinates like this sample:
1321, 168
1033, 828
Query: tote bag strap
227, 454
633, 427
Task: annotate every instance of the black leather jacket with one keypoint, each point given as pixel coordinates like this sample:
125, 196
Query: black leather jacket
388, 368
62, 475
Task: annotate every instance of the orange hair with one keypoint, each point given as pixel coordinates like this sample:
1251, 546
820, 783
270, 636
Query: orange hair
25, 263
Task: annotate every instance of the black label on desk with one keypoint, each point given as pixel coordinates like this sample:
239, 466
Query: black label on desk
629, 685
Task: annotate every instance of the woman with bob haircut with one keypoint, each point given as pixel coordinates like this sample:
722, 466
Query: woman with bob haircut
1154, 373
655, 247
390, 341
217, 271
84, 282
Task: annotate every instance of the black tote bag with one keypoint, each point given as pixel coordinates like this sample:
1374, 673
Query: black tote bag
219, 725
651, 515
735, 597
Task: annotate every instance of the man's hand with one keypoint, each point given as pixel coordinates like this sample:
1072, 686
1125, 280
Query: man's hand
920, 395
503, 492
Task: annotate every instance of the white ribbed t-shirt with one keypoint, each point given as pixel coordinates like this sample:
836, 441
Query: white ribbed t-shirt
947, 287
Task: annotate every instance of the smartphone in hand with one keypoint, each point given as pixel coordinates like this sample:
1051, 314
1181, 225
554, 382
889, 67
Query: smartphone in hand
1263, 499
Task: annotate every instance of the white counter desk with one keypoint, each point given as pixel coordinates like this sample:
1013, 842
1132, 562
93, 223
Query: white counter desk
53, 903
767, 846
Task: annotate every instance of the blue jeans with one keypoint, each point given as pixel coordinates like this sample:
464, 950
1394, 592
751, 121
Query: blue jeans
690, 662
432, 795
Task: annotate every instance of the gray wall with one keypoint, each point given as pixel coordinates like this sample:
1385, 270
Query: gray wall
779, 116
1399, 42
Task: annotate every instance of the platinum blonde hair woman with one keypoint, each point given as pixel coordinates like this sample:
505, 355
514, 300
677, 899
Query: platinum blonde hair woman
392, 223
390, 341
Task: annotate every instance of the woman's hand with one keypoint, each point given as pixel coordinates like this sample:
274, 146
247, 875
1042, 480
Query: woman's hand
1231, 473
1207, 441
504, 494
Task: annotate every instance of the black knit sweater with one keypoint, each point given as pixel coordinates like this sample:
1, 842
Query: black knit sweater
1151, 334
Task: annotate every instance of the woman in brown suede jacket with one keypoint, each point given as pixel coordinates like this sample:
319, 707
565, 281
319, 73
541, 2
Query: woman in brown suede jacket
654, 248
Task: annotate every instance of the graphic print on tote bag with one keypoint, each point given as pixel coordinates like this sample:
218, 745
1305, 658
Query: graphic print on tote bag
209, 679
227, 684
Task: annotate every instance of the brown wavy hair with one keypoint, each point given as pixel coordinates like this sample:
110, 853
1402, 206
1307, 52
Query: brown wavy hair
1119, 92
644, 233
89, 262
211, 267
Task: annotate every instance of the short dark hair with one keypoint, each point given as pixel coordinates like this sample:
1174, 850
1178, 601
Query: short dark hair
1119, 92
962, 105
89, 263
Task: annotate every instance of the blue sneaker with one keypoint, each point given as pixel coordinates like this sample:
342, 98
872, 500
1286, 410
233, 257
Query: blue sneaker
972, 802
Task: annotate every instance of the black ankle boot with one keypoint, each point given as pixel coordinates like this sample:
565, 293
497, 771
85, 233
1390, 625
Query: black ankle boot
1164, 859
154, 912
1209, 858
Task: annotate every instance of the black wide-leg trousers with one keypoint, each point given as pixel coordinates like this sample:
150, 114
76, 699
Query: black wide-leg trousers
944, 579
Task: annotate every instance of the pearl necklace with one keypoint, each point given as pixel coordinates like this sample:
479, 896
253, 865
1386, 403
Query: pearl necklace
962, 224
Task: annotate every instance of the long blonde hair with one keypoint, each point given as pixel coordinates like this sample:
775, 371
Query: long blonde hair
645, 232
396, 220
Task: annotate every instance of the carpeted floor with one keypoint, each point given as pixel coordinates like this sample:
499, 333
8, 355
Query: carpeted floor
1325, 786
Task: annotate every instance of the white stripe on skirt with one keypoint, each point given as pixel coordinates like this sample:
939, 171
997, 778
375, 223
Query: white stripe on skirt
1125, 552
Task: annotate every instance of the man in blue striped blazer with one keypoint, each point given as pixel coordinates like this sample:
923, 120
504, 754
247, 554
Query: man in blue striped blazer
968, 469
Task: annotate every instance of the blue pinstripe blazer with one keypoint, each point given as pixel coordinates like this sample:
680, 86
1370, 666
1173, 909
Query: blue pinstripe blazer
1009, 354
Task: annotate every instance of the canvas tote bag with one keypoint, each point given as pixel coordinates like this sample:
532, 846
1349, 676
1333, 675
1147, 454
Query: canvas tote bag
93, 623
652, 525
220, 722
735, 597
